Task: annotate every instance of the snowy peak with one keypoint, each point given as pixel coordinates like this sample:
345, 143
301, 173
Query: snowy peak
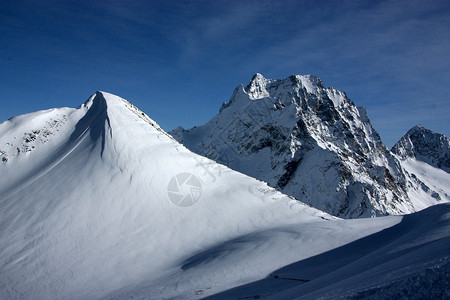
417, 129
33, 143
52, 125
310, 82
119, 108
98, 102
260, 87
425, 145
257, 80
256, 89
308, 141
96, 120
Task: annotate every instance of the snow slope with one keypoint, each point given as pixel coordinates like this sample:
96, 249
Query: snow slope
99, 202
429, 184
408, 261
308, 141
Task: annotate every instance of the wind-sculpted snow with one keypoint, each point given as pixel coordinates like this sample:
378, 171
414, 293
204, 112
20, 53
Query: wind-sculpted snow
87, 213
408, 261
308, 141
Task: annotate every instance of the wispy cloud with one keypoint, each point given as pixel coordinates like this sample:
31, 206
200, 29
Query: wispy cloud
387, 54
391, 56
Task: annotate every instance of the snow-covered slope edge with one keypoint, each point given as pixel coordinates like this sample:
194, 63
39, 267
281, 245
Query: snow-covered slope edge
307, 141
106, 204
408, 261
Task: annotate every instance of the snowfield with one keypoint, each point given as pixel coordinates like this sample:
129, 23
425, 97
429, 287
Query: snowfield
407, 261
99, 202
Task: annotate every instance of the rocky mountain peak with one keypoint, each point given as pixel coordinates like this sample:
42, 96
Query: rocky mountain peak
425, 145
418, 128
257, 87
308, 141
261, 87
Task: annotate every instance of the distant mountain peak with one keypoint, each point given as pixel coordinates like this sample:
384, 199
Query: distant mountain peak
307, 80
259, 85
417, 128
257, 77
425, 145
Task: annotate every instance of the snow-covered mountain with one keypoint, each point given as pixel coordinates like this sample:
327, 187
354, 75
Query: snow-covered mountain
308, 141
99, 202
425, 145
425, 158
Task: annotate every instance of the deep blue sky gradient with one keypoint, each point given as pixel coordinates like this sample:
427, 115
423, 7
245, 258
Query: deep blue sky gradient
179, 60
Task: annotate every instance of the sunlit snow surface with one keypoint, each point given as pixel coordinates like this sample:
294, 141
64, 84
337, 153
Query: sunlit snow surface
86, 213
435, 183
408, 261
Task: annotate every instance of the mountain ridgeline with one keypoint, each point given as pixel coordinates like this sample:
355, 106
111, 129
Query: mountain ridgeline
308, 141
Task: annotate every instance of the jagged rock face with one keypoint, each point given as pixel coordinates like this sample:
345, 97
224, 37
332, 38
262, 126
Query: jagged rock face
308, 141
425, 145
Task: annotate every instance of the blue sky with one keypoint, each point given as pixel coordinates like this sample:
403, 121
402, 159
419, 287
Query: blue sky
179, 60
